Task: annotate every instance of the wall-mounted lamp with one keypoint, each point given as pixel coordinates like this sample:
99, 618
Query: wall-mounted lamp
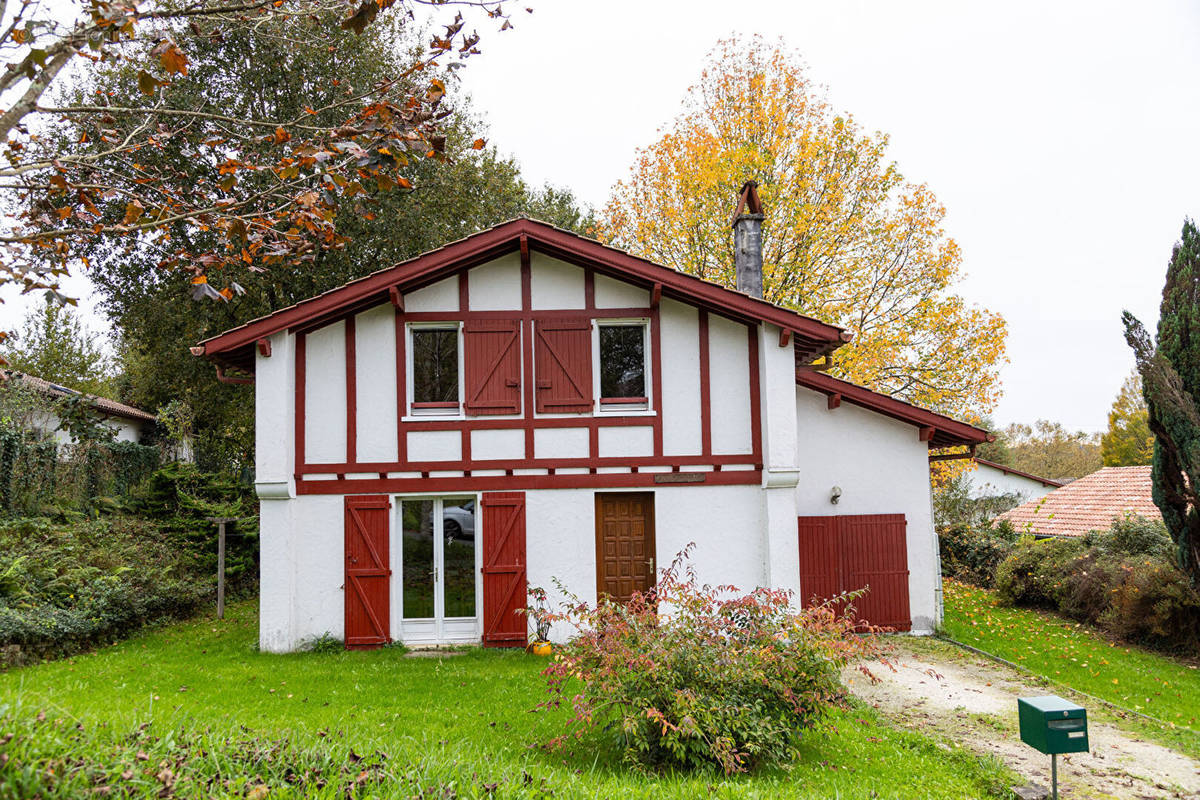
835, 494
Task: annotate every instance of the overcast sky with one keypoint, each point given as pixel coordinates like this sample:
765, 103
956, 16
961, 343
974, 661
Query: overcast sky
1063, 138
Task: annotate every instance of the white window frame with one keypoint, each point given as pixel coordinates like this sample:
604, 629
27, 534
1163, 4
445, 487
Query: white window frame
623, 409
409, 386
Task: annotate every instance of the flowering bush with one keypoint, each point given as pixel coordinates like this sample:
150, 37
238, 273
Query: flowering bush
692, 675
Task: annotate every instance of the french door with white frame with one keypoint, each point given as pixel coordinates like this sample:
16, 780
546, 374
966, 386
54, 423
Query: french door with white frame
440, 589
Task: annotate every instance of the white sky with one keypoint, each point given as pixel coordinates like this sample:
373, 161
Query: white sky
1063, 138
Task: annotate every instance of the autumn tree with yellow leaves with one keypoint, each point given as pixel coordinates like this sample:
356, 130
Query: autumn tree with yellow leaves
846, 238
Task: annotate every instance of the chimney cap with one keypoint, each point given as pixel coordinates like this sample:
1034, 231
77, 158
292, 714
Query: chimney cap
748, 200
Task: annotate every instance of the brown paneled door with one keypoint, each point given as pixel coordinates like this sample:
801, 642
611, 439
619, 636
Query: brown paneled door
368, 577
624, 543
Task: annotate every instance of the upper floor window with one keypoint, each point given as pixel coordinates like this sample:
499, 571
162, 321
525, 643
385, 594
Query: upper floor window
622, 353
435, 369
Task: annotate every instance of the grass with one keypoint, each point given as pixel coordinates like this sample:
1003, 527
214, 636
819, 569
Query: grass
198, 701
1076, 656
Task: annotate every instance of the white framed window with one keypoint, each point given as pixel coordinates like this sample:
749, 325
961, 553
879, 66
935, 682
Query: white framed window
621, 371
434, 367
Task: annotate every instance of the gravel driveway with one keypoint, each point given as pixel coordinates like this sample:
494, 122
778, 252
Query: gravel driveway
972, 700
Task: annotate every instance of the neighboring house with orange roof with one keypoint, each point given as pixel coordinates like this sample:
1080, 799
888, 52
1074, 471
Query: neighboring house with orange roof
1087, 504
130, 424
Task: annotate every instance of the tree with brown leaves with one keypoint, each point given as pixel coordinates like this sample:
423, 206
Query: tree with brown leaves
268, 188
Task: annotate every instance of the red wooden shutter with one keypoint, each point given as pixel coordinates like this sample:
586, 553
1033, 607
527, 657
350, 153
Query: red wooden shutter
563, 360
819, 556
492, 361
875, 555
368, 577
504, 587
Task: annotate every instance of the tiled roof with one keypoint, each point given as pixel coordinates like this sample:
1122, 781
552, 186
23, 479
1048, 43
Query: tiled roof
103, 404
1087, 504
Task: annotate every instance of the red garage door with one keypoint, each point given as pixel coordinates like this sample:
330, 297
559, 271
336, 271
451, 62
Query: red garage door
848, 553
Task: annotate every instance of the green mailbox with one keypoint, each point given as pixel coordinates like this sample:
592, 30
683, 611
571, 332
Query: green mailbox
1053, 725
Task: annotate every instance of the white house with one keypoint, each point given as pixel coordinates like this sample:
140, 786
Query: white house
528, 404
989, 479
128, 424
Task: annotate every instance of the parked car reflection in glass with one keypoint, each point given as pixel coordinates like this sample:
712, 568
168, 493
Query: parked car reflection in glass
458, 521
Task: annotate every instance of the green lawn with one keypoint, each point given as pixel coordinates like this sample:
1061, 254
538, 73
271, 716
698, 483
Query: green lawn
1076, 656
225, 718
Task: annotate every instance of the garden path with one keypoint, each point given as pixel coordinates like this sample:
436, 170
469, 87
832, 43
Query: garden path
972, 700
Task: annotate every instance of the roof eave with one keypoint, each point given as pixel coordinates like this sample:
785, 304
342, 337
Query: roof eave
946, 431
237, 343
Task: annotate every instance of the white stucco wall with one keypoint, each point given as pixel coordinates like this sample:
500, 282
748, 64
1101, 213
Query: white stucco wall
729, 382
680, 393
987, 481
375, 384
126, 430
325, 394
302, 560
554, 284
881, 467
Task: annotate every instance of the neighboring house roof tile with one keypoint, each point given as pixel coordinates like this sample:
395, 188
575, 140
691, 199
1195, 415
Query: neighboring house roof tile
1087, 504
103, 404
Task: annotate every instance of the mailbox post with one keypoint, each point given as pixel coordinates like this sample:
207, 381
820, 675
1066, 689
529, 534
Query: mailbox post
1053, 725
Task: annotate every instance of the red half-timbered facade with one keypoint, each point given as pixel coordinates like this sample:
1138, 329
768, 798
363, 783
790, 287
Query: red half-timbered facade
526, 405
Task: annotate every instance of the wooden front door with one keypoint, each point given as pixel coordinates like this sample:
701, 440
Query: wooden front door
858, 551
368, 576
624, 543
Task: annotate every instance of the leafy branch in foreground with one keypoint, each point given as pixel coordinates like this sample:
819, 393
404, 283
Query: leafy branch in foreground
268, 187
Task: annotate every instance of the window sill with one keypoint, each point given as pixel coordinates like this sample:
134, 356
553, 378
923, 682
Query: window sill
618, 411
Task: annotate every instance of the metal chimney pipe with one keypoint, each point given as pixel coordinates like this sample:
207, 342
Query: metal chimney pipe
747, 241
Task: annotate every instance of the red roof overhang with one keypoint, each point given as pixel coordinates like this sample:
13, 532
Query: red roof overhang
235, 347
943, 431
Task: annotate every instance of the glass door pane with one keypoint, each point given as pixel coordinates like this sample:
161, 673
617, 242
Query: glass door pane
417, 552
458, 557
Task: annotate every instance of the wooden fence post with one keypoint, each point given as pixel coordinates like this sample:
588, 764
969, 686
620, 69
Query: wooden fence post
221, 522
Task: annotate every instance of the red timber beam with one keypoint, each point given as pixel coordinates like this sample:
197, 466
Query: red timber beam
527, 482
401, 383
298, 411
464, 307
528, 406
755, 396
705, 388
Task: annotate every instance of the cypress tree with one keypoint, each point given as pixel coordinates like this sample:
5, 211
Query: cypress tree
1171, 384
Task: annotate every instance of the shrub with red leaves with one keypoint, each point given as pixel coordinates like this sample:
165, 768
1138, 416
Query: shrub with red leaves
697, 676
